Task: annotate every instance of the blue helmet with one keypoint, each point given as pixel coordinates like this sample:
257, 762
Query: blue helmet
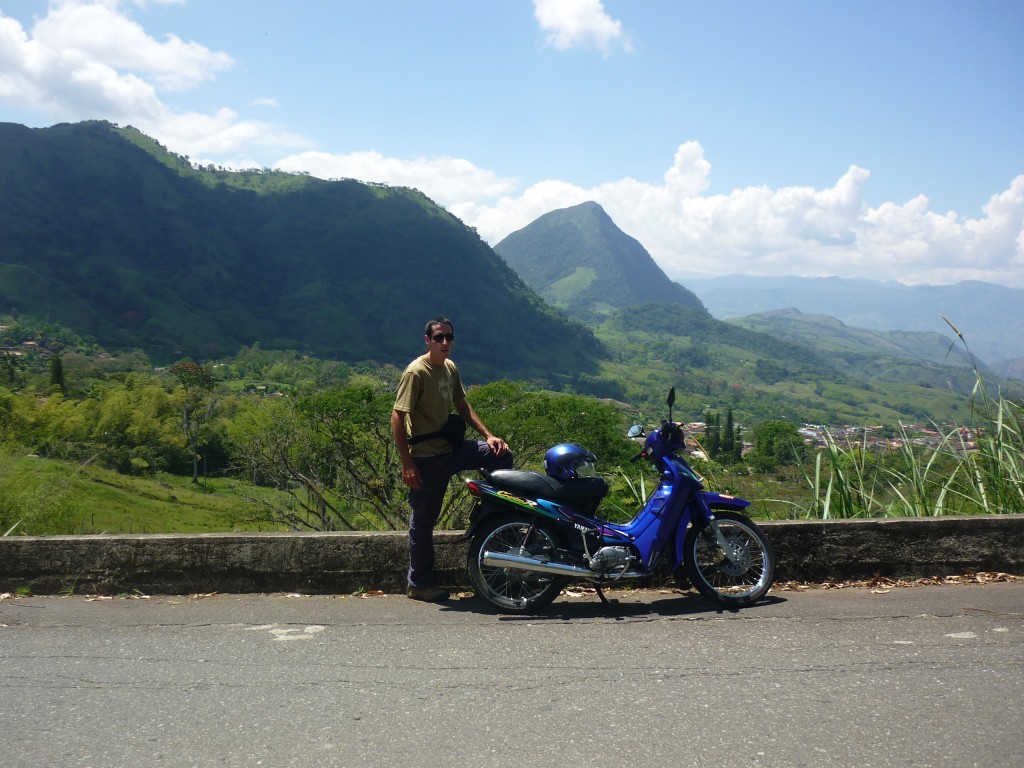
568, 461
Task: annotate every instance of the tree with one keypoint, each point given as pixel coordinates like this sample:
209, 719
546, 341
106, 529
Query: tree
354, 424
138, 423
197, 405
722, 444
729, 436
712, 435
9, 365
775, 443
331, 452
57, 375
532, 421
6, 411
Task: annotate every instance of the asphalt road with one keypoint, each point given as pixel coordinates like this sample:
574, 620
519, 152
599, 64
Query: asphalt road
922, 676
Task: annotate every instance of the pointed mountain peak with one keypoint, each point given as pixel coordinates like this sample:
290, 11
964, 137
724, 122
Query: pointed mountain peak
578, 259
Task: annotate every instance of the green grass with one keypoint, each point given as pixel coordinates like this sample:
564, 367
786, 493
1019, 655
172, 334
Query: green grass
47, 497
950, 477
846, 479
565, 289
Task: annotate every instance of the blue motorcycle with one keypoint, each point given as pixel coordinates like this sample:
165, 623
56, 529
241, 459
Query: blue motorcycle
531, 534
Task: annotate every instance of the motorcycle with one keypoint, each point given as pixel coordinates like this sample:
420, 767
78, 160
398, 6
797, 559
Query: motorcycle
531, 534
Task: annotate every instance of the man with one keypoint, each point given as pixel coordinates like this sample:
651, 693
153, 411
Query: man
429, 389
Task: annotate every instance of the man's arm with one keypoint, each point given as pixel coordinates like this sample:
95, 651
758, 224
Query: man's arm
499, 446
410, 475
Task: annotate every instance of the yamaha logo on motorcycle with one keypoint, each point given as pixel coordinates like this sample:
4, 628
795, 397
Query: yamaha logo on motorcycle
531, 534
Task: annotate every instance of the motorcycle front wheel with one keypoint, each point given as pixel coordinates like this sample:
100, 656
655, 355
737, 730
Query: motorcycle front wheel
737, 576
511, 590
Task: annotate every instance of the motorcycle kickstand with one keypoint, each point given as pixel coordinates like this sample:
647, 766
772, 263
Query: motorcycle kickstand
607, 603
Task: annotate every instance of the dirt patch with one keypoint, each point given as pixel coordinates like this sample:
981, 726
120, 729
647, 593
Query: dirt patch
887, 583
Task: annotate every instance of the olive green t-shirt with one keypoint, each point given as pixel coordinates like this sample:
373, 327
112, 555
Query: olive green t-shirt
427, 394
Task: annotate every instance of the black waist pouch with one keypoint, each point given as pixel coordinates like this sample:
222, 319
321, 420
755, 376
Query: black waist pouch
454, 431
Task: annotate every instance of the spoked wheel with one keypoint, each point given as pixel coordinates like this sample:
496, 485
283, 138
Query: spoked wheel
738, 575
512, 590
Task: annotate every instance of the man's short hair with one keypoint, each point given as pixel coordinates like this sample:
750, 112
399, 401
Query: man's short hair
438, 321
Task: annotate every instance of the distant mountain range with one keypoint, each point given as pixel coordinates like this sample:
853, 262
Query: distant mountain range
579, 260
850, 348
108, 233
104, 231
990, 317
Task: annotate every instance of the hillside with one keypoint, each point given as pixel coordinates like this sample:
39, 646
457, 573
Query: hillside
580, 261
109, 234
774, 373
779, 365
989, 316
899, 356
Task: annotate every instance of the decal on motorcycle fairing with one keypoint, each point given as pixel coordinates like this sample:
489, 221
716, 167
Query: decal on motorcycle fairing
516, 500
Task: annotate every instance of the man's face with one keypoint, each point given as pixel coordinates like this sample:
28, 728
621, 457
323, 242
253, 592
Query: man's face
439, 341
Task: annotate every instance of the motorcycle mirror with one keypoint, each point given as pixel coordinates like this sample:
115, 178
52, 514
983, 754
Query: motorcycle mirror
636, 430
671, 401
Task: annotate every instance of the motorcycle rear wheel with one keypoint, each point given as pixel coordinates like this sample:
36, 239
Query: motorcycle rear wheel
737, 580
507, 589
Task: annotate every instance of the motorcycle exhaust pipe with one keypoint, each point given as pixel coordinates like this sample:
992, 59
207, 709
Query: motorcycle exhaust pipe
516, 562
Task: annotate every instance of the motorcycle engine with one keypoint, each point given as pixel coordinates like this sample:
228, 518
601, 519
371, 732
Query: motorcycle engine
610, 558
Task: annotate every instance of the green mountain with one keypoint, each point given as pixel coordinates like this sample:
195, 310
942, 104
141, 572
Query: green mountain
580, 261
106, 232
987, 315
820, 375
776, 365
901, 356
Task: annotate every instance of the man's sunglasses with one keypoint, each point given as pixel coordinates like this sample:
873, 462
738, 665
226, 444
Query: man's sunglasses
439, 337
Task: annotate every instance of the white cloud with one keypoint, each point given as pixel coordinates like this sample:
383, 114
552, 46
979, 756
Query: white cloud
579, 24
78, 33
88, 59
447, 180
806, 231
755, 230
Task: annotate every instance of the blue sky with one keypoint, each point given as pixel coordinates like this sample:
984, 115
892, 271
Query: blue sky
875, 139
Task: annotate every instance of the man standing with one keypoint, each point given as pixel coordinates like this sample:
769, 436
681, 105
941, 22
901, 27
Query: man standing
429, 389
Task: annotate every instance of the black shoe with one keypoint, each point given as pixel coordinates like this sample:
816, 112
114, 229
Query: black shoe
428, 594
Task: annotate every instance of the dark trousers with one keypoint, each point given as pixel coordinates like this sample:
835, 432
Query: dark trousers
435, 472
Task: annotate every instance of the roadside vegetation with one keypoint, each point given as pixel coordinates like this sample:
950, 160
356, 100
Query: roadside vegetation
975, 468
93, 443
54, 496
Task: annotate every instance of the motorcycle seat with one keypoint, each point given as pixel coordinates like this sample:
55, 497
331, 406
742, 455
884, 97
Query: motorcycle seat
529, 483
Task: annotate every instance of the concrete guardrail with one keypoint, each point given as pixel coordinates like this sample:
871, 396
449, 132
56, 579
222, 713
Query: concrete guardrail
341, 563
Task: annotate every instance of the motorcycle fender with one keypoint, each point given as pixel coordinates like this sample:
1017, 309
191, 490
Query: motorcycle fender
724, 501
698, 518
486, 510
480, 513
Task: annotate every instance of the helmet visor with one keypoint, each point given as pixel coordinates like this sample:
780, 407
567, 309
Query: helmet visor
586, 469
